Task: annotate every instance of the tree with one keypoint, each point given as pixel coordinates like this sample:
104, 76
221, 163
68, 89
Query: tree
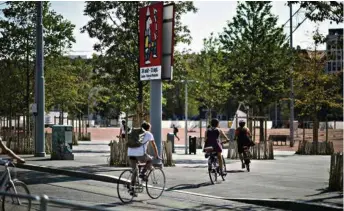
316, 92
18, 46
318, 11
256, 50
208, 71
115, 25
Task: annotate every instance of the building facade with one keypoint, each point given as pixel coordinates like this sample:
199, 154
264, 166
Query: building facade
334, 51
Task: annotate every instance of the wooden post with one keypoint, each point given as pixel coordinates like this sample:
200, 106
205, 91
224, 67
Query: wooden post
265, 138
326, 129
303, 131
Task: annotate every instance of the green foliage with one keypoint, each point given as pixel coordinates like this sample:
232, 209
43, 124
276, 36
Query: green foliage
208, 71
115, 25
257, 55
319, 11
18, 46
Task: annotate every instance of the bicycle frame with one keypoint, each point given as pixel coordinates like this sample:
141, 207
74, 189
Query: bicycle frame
6, 178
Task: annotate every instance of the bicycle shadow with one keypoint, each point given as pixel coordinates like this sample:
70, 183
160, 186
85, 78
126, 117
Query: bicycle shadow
235, 171
188, 186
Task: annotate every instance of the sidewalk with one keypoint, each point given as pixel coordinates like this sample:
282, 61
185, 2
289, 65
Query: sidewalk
288, 177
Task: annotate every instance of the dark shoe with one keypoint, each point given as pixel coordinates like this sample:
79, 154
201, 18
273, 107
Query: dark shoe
242, 165
143, 177
132, 192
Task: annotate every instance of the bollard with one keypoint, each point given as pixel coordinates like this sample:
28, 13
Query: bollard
44, 203
170, 137
192, 144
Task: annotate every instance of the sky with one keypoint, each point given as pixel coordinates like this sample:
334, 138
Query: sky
211, 17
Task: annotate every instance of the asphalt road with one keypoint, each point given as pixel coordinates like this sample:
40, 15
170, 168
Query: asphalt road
94, 193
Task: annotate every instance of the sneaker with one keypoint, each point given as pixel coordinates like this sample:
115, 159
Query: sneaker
243, 165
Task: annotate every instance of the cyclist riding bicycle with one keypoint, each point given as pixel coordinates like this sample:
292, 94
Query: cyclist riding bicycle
212, 139
139, 154
242, 135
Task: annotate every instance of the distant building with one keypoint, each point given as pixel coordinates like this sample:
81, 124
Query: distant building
77, 56
334, 51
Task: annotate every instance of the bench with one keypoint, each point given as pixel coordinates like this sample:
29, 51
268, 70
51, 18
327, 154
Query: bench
277, 138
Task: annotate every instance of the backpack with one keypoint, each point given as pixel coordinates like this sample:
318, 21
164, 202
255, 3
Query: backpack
135, 138
244, 138
175, 130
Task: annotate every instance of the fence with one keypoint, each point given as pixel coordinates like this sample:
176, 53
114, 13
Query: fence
336, 172
44, 201
312, 148
260, 151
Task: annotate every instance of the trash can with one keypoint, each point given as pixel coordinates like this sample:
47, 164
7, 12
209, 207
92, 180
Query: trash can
62, 138
192, 144
170, 137
231, 134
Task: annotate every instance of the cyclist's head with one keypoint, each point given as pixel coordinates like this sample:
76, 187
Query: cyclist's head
146, 126
241, 123
214, 123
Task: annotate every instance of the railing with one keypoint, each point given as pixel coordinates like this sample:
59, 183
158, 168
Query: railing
44, 200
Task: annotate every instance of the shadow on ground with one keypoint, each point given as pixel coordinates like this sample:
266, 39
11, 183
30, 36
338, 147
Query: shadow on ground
188, 186
325, 194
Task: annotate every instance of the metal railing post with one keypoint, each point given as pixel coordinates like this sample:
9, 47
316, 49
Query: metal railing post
44, 203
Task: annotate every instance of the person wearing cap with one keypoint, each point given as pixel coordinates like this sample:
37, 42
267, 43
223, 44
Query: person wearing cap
242, 135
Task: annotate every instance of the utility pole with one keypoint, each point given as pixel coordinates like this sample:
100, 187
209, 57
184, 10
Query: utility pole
186, 117
291, 124
39, 135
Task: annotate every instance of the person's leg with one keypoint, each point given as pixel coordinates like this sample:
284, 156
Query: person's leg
219, 157
134, 167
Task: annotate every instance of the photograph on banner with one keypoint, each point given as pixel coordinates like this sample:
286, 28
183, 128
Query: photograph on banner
151, 23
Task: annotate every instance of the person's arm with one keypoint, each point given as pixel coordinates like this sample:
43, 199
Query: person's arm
205, 136
224, 135
155, 148
10, 152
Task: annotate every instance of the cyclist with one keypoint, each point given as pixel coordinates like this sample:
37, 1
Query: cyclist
242, 135
6, 150
139, 154
212, 138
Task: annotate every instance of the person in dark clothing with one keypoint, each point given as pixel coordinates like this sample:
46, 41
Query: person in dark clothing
175, 131
212, 139
242, 135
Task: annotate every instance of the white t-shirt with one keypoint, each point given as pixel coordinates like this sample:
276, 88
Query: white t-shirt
140, 151
123, 130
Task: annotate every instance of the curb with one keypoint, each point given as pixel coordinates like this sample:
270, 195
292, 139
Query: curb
274, 203
289, 204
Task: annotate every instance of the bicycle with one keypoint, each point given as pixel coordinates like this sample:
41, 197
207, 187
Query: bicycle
213, 165
12, 186
124, 182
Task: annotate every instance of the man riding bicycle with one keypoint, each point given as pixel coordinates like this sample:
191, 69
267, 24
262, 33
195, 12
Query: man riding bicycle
212, 139
139, 154
242, 135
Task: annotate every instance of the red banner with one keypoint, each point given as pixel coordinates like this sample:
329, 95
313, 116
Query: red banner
151, 21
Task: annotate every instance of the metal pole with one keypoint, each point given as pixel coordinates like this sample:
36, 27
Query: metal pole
291, 124
44, 203
40, 139
276, 115
186, 117
156, 111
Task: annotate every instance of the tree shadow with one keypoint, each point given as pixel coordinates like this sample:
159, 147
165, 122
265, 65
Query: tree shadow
188, 186
326, 194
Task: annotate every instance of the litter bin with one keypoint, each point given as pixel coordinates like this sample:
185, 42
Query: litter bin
192, 144
62, 137
170, 137
231, 134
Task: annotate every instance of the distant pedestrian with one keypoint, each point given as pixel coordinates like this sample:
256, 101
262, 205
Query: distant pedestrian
175, 131
123, 128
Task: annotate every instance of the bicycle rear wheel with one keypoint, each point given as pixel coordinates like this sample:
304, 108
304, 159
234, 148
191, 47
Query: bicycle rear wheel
213, 172
156, 182
124, 186
12, 203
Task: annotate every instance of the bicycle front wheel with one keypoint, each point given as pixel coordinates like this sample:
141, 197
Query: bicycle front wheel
13, 203
156, 182
123, 187
224, 169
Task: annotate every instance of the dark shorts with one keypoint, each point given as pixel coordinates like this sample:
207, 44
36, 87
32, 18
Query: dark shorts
217, 147
123, 135
241, 147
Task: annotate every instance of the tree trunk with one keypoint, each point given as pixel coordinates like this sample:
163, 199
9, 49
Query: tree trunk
315, 134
